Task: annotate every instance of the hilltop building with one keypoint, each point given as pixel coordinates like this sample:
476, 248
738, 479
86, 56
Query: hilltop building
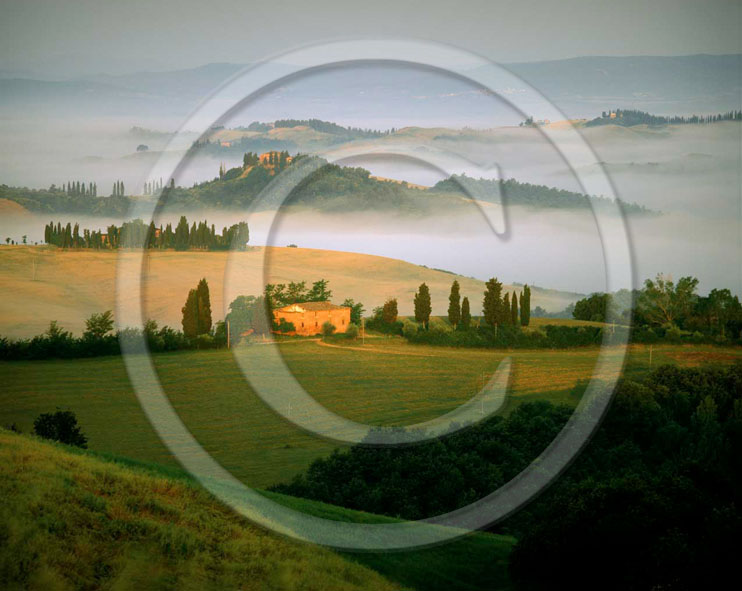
308, 317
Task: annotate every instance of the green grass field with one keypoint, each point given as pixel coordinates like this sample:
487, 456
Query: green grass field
73, 519
537, 322
387, 381
534, 322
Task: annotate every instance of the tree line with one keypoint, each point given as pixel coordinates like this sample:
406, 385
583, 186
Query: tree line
662, 310
198, 329
629, 117
152, 187
77, 189
137, 234
529, 195
499, 310
99, 338
56, 199
653, 499
118, 189
332, 128
670, 309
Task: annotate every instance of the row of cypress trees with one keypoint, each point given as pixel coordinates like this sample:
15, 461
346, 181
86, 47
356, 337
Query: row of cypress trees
504, 310
78, 188
136, 233
118, 189
498, 309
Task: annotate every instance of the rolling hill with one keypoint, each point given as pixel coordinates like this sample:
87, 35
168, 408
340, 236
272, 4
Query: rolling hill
76, 519
71, 521
43, 283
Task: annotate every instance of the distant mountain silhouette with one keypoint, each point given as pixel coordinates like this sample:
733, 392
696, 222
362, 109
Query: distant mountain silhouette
580, 87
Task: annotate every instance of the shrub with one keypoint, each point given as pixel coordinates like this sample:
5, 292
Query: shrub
60, 426
328, 328
439, 327
389, 311
284, 326
130, 339
352, 331
672, 333
204, 341
376, 323
409, 328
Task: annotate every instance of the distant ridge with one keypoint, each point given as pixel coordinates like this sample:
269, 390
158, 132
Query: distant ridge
579, 86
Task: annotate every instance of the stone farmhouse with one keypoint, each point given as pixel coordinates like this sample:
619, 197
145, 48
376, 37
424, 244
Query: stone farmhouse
308, 317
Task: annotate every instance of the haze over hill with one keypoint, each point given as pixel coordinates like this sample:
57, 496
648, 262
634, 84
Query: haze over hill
66, 123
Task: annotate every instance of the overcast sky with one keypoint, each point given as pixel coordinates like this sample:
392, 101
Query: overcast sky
61, 39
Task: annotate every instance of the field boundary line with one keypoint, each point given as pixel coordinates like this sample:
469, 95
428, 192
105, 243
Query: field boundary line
372, 350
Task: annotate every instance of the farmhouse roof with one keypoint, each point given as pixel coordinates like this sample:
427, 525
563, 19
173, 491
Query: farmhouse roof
311, 307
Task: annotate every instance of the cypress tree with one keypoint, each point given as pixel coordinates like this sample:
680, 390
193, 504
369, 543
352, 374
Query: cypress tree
422, 305
514, 309
151, 231
190, 315
465, 314
454, 305
506, 309
525, 306
389, 311
492, 303
195, 235
204, 307
181, 234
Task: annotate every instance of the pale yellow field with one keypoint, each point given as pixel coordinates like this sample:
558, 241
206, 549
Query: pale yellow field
11, 208
41, 284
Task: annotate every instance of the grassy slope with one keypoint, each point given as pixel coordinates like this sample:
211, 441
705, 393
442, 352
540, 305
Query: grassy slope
402, 385
387, 382
71, 285
76, 520
70, 521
